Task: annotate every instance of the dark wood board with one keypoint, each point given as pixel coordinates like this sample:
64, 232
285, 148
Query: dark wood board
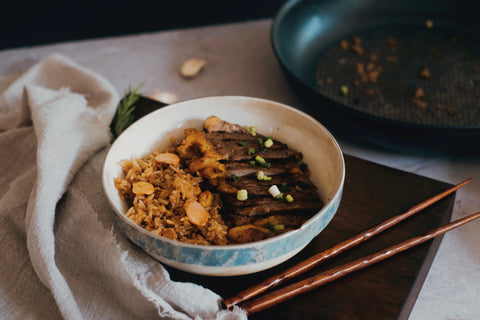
387, 290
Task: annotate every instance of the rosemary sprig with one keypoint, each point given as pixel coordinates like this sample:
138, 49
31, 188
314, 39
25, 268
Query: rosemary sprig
125, 114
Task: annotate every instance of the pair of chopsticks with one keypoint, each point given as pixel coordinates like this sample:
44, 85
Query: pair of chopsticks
283, 294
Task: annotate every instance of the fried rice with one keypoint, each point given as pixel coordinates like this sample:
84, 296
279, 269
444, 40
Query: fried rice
168, 189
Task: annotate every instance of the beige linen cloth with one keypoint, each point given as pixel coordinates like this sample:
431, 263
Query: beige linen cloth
61, 254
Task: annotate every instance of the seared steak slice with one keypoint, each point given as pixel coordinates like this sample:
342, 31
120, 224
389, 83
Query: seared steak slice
241, 169
288, 220
282, 166
238, 146
303, 203
265, 207
218, 137
287, 183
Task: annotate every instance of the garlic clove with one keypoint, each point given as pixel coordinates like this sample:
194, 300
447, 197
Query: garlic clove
164, 97
192, 67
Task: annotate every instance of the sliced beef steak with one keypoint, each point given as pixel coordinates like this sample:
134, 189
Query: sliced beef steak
246, 155
238, 146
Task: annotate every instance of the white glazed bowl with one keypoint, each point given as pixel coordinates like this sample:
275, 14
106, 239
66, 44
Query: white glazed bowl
289, 125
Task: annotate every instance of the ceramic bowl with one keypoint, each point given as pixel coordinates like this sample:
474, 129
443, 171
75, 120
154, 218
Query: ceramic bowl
287, 124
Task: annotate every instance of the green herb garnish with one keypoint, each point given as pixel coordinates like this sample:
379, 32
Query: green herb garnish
241, 143
260, 160
276, 227
242, 195
252, 130
266, 164
268, 143
125, 114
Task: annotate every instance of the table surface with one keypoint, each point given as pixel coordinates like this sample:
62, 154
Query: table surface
240, 61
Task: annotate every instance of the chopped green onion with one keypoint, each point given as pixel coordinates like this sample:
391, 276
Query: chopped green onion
251, 151
260, 160
276, 227
252, 163
260, 175
268, 143
252, 130
284, 187
242, 143
242, 195
273, 190
289, 198
266, 165
344, 90
260, 141
280, 196
234, 177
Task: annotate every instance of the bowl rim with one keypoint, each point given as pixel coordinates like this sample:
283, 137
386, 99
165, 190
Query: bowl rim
306, 224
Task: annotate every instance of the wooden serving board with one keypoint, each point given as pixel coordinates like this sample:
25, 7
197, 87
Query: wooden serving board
387, 290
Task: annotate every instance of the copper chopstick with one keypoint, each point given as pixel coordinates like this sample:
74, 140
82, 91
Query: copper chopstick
337, 249
325, 277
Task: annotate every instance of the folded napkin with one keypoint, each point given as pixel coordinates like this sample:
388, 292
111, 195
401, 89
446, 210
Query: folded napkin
62, 256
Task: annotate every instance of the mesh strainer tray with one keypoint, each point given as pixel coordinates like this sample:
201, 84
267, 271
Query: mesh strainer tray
401, 74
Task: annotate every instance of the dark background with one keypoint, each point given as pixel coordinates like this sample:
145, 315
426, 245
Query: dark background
43, 22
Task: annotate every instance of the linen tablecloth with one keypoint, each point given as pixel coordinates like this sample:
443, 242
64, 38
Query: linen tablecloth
61, 253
